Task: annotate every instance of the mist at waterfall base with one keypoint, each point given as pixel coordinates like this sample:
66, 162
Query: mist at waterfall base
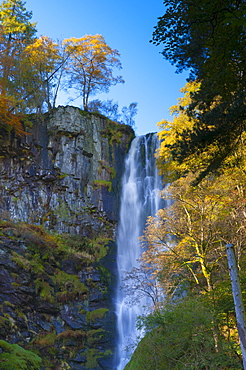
141, 185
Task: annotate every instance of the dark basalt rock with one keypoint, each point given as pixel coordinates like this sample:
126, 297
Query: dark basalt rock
65, 175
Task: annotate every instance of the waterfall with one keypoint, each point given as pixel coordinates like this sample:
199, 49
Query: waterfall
139, 199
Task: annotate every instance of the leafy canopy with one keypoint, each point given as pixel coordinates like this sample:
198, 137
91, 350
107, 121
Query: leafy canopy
208, 38
16, 32
33, 70
91, 65
185, 251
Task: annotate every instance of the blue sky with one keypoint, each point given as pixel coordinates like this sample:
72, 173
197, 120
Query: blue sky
127, 26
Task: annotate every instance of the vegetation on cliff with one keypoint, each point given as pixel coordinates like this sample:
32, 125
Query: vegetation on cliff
15, 357
53, 288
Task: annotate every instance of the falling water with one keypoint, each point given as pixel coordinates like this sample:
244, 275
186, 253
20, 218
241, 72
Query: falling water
139, 199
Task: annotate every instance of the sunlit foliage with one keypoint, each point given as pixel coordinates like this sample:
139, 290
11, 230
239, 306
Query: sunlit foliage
208, 39
91, 65
42, 61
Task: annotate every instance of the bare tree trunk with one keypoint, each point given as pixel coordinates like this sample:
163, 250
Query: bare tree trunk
238, 301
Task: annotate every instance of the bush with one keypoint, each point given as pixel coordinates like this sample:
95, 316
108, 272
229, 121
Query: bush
182, 337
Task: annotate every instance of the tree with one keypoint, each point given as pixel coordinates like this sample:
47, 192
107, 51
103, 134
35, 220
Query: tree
186, 243
209, 39
180, 336
91, 65
16, 32
43, 60
129, 113
185, 232
171, 133
183, 129
187, 239
108, 108
139, 283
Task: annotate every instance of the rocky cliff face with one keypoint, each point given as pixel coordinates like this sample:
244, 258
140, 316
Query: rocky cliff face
68, 166
55, 288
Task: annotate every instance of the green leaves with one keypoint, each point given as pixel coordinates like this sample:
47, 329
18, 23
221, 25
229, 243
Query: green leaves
181, 336
209, 40
15, 20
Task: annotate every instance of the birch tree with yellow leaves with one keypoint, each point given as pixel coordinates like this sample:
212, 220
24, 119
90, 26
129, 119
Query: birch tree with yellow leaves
91, 66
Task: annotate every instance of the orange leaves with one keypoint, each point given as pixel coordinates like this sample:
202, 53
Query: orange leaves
8, 119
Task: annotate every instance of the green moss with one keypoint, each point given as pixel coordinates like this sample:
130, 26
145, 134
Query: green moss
47, 340
36, 264
115, 132
72, 334
9, 304
62, 175
107, 353
21, 261
70, 287
16, 357
5, 324
92, 356
85, 113
63, 211
94, 336
44, 289
102, 183
105, 273
100, 247
98, 314
109, 169
32, 263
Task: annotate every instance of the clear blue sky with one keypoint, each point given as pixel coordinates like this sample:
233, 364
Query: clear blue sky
127, 26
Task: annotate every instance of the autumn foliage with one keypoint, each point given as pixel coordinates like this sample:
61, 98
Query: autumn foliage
8, 119
33, 70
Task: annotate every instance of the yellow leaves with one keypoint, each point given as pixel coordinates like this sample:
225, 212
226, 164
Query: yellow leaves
177, 131
91, 64
188, 238
15, 19
43, 53
172, 131
90, 48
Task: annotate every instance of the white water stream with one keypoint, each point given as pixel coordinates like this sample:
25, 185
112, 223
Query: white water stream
139, 199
